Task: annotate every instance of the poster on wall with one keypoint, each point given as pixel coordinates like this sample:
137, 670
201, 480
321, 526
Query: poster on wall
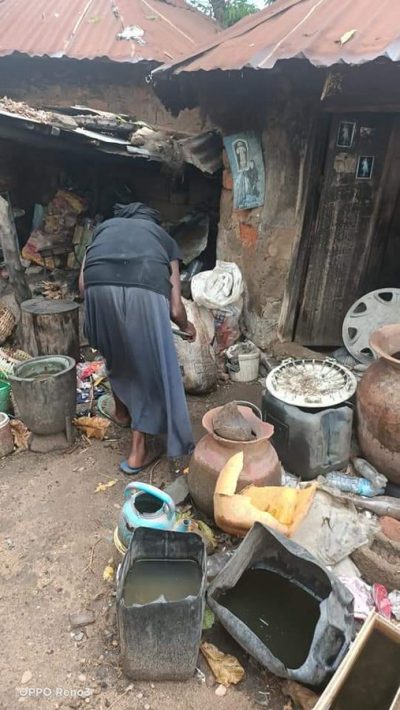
247, 165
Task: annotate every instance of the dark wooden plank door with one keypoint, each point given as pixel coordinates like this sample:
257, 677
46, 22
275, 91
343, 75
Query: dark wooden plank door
343, 230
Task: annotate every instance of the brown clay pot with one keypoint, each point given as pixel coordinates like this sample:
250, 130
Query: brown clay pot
378, 404
261, 464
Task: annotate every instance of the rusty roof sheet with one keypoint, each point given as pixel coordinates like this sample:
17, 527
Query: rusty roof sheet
88, 29
321, 31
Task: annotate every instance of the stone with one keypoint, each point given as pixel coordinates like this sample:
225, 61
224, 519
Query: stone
79, 637
47, 444
390, 527
379, 563
178, 490
26, 677
81, 618
230, 424
82, 677
221, 691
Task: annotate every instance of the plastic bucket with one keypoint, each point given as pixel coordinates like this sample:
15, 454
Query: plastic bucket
5, 389
6, 437
249, 364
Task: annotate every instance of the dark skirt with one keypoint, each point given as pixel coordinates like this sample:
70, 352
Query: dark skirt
131, 328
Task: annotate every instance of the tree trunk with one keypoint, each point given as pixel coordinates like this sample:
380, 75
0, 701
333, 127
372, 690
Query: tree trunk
9, 245
219, 7
50, 327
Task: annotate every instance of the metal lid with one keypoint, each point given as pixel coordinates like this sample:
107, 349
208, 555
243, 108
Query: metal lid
311, 383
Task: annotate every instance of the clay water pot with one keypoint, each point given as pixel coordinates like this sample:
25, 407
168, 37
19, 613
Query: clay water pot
261, 464
378, 404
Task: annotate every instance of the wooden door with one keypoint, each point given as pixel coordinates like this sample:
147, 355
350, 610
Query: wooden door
340, 240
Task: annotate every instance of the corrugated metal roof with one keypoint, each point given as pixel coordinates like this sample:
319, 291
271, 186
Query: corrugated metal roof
303, 29
59, 130
88, 29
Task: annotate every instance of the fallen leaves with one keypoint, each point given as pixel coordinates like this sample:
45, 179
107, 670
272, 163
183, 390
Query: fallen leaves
101, 487
26, 677
92, 427
108, 573
208, 619
347, 36
21, 434
301, 696
226, 669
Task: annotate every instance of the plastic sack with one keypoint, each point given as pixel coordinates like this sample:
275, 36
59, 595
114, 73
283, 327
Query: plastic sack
197, 360
218, 288
265, 549
227, 328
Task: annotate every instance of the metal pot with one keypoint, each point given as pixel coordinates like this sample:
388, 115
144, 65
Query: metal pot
378, 404
261, 463
44, 389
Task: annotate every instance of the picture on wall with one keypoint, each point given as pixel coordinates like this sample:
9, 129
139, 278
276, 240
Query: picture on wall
245, 157
345, 134
365, 167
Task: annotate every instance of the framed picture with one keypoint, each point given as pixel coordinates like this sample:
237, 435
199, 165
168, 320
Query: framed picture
365, 167
245, 156
345, 134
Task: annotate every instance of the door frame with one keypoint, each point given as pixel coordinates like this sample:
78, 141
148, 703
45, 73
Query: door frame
314, 162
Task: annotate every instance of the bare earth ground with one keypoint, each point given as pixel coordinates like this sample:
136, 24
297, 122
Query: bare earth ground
55, 540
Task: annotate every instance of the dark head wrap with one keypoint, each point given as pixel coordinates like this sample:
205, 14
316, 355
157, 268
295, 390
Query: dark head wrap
137, 210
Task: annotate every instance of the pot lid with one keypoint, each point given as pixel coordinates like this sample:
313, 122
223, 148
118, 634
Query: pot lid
311, 383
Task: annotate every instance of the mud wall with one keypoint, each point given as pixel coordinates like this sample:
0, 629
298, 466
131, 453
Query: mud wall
104, 86
261, 241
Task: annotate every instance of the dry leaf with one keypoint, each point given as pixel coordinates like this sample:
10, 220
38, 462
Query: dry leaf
347, 36
103, 486
21, 434
108, 573
208, 619
301, 696
207, 533
226, 669
92, 427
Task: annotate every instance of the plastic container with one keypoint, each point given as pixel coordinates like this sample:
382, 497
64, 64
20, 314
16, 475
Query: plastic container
6, 437
328, 636
353, 484
308, 442
149, 507
160, 640
243, 362
5, 389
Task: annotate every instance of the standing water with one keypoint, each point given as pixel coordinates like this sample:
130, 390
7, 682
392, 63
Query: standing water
173, 580
282, 614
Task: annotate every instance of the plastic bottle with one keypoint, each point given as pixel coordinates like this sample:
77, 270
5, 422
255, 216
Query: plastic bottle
366, 470
352, 484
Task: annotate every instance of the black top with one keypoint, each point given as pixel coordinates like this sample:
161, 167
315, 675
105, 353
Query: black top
131, 251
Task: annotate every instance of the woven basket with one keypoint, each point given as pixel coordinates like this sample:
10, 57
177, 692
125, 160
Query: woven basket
7, 323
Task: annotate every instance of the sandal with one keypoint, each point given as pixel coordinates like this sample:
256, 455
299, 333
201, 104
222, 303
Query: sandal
129, 471
106, 407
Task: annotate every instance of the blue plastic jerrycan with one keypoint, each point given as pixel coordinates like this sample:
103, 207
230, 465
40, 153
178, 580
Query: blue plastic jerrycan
148, 507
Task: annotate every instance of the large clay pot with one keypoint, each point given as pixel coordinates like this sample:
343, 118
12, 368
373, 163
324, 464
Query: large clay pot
261, 464
378, 404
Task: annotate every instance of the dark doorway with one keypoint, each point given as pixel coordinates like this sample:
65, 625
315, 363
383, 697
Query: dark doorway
347, 236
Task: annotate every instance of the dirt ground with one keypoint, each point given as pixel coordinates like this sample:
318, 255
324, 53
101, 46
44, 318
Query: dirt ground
55, 541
